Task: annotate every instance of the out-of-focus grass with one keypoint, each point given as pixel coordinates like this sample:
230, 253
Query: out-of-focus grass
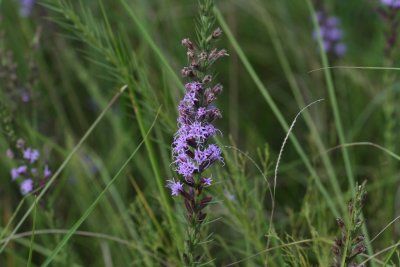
88, 49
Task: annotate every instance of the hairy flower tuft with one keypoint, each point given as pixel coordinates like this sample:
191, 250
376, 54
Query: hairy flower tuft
26, 186
31, 154
175, 187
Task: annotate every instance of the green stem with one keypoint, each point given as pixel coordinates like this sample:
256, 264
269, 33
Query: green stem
65, 162
337, 118
263, 90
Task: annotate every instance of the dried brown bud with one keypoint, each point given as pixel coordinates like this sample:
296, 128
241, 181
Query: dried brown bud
20, 143
194, 65
358, 239
339, 242
216, 33
350, 207
187, 72
10, 153
222, 53
210, 97
215, 114
201, 216
188, 206
189, 180
185, 194
336, 250
204, 202
189, 153
187, 43
340, 223
358, 249
190, 54
207, 79
203, 56
218, 89
215, 55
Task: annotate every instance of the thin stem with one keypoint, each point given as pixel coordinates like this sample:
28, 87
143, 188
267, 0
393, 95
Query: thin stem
337, 118
263, 90
65, 162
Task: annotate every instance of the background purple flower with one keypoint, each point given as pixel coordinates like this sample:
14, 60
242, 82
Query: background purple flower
28, 174
391, 3
26, 186
26, 7
175, 187
31, 154
331, 34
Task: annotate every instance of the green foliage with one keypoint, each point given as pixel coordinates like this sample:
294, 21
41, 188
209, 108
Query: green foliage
107, 206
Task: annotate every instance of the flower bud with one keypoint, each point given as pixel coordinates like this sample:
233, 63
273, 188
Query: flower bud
215, 114
190, 54
217, 89
216, 33
207, 79
187, 43
20, 143
203, 56
340, 223
209, 96
194, 65
10, 153
187, 72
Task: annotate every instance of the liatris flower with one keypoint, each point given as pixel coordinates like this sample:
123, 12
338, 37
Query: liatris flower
191, 149
331, 34
192, 152
26, 7
350, 244
26, 173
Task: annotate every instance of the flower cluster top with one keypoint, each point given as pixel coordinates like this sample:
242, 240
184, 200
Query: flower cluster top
191, 149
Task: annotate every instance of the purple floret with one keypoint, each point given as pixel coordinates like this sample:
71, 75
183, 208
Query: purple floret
46, 171
14, 173
31, 154
26, 186
207, 181
175, 187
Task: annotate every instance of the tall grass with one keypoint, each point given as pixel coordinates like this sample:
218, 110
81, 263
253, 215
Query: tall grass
104, 70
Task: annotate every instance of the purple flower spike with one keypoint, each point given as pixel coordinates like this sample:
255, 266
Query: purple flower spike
26, 186
31, 154
175, 187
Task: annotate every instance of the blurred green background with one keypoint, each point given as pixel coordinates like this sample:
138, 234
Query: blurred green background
71, 57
